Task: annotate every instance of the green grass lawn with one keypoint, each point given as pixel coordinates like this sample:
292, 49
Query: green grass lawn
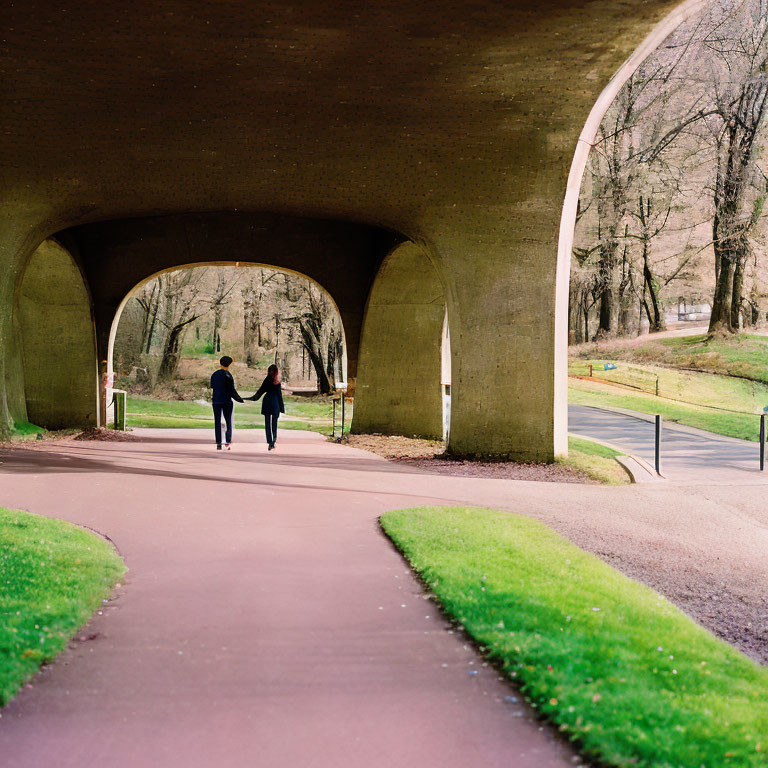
616, 667
315, 415
24, 430
745, 426
689, 386
53, 576
742, 355
596, 460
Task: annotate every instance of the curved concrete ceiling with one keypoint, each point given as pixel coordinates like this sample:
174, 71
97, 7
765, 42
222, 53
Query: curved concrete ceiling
393, 113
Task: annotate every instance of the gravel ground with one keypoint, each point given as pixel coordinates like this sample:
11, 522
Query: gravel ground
429, 455
105, 436
703, 548
705, 561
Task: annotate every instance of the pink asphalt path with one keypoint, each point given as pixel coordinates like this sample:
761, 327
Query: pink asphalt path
265, 621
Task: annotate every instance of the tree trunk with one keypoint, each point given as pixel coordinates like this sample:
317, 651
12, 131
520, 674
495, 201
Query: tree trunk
721, 320
170, 361
736, 296
608, 297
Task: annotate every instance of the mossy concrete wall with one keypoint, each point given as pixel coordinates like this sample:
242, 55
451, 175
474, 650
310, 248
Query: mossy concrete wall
58, 348
452, 123
398, 390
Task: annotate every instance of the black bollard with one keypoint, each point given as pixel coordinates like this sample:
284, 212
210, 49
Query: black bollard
658, 444
762, 442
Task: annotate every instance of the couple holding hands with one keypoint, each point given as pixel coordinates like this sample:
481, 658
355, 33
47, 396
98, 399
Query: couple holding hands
224, 393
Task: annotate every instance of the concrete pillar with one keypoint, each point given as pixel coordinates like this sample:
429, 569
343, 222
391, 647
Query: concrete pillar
58, 344
500, 292
398, 387
17, 240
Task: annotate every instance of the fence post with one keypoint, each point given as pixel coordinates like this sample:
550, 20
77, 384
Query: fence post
333, 433
657, 386
658, 444
590, 370
762, 442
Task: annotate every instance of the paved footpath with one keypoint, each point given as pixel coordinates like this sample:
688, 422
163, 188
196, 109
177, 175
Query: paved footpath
265, 620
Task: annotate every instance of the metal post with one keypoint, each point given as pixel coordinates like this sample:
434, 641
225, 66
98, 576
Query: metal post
343, 404
334, 418
658, 444
762, 442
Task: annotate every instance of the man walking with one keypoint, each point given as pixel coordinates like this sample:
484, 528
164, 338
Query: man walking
224, 392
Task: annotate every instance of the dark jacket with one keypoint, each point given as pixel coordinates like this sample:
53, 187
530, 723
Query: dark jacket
273, 397
223, 386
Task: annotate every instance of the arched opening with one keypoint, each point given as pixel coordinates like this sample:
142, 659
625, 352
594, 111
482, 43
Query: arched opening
57, 340
171, 329
570, 209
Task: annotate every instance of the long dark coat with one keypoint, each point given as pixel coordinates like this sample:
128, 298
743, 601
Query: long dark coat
273, 397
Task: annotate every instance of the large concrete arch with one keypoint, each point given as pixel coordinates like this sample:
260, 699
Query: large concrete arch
400, 354
458, 133
58, 350
341, 257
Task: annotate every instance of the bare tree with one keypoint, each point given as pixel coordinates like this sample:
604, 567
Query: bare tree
738, 45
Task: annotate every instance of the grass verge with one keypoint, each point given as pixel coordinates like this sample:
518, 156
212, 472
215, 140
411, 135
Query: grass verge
744, 426
595, 460
24, 430
742, 355
53, 576
313, 415
616, 667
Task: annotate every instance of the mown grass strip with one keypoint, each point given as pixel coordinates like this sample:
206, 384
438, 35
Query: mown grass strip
184, 414
53, 576
741, 355
622, 672
595, 460
744, 426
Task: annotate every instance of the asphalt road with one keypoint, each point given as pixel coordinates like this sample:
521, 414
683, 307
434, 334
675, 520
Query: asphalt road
687, 454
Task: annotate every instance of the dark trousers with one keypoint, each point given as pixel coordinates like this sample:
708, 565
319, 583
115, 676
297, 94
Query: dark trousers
270, 427
225, 410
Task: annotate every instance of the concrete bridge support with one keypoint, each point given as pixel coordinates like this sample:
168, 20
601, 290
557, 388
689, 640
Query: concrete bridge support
58, 346
459, 134
398, 390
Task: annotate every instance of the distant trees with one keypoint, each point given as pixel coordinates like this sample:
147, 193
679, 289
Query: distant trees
322, 339
678, 151
738, 48
255, 314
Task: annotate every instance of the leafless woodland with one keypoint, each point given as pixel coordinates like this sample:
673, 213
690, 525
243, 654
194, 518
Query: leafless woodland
258, 316
672, 203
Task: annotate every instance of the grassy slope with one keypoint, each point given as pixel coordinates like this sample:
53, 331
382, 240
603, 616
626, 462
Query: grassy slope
53, 575
745, 426
596, 460
24, 430
682, 385
619, 669
745, 355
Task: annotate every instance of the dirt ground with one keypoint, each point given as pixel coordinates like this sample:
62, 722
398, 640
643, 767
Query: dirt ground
430, 455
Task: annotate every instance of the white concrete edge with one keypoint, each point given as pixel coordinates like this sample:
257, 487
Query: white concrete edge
568, 217
638, 469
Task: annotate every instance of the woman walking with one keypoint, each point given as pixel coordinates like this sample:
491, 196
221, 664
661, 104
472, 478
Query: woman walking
272, 405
